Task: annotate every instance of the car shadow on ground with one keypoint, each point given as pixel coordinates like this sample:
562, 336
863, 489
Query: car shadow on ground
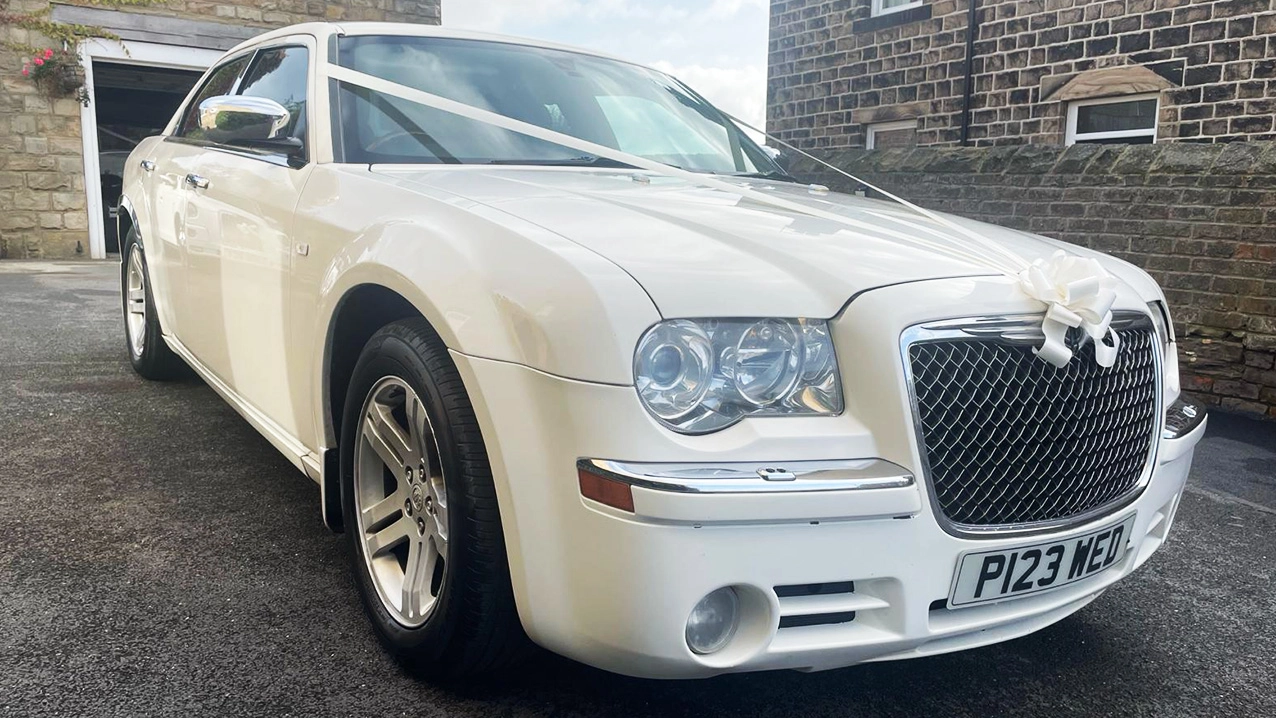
1023, 675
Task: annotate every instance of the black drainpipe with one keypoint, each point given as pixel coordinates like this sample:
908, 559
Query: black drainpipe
972, 29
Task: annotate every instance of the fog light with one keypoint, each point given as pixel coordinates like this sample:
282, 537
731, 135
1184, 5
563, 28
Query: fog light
713, 621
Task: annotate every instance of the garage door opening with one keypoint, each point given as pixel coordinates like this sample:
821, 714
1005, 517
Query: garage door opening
131, 103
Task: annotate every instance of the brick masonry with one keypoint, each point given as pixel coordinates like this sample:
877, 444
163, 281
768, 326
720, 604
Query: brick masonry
832, 68
1200, 218
42, 201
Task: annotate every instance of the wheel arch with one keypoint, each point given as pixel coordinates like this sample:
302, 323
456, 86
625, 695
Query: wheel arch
361, 311
365, 304
125, 220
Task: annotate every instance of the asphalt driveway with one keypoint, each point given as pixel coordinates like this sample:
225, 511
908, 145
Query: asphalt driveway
158, 557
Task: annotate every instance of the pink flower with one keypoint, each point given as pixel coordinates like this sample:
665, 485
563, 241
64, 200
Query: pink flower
26, 70
48, 53
39, 61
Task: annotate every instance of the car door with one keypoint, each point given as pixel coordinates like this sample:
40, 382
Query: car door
238, 224
165, 170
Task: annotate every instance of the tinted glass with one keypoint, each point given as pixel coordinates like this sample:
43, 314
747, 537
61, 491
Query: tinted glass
1117, 116
281, 74
603, 101
902, 137
219, 83
1136, 140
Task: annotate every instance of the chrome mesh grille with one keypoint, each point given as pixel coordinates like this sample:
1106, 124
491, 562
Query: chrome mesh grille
1009, 439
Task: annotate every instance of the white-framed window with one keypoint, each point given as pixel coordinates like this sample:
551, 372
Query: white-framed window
885, 135
1130, 119
886, 7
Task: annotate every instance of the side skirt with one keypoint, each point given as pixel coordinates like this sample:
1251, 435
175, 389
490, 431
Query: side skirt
287, 444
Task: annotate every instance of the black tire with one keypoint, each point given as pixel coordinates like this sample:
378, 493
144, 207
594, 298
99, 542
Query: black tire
156, 361
474, 627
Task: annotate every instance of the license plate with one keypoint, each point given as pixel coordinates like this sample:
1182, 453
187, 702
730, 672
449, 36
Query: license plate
984, 576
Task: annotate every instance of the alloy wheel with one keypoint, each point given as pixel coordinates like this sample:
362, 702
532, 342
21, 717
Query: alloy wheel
135, 302
400, 497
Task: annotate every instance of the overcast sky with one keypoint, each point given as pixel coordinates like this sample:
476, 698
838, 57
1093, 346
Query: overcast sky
717, 47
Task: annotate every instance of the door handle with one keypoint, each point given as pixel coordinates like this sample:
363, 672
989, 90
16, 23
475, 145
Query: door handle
196, 182
148, 165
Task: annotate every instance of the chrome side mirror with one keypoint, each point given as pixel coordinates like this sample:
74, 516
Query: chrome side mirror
245, 121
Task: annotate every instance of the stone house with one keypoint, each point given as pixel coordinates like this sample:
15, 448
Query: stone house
1110, 124
878, 73
60, 159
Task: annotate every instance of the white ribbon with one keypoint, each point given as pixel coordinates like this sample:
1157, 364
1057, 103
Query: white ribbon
1078, 292
994, 256
1016, 261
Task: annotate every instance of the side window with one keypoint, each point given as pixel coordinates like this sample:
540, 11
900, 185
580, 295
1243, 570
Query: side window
281, 74
220, 82
1113, 120
885, 135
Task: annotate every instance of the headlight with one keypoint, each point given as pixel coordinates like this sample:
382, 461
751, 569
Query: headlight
698, 376
676, 361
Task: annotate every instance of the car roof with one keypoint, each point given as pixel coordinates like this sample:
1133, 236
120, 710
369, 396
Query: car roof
323, 30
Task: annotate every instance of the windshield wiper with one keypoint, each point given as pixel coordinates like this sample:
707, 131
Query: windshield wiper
606, 162
777, 176
589, 161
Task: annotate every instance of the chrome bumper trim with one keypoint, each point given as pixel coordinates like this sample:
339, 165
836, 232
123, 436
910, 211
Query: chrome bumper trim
754, 477
1183, 416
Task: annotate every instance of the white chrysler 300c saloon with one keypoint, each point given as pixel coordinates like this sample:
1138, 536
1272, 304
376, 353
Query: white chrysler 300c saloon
572, 358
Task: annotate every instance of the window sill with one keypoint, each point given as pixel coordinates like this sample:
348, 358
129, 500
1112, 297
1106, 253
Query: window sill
902, 17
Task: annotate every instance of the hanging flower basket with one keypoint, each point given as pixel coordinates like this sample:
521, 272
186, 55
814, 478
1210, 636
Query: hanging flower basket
57, 73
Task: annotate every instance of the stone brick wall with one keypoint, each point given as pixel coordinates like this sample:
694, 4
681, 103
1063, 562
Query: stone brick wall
1201, 219
833, 69
42, 200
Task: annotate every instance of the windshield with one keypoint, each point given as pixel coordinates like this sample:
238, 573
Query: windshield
607, 102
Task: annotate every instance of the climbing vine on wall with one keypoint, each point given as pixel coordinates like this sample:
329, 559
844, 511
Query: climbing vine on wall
56, 70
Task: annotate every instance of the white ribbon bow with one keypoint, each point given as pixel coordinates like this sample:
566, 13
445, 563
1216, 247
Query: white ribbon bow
1079, 293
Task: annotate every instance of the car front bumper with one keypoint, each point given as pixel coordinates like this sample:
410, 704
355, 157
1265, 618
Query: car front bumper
614, 588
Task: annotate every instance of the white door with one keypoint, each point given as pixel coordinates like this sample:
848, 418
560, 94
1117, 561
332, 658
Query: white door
163, 236
176, 160
238, 227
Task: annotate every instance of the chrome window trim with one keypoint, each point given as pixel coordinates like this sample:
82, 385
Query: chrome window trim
273, 158
754, 477
1021, 329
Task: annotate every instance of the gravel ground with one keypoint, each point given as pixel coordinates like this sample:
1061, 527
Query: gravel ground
158, 557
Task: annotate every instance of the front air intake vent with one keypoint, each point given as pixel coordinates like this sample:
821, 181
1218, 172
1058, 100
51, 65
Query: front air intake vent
823, 604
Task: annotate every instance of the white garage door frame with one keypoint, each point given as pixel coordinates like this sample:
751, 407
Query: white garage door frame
126, 52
